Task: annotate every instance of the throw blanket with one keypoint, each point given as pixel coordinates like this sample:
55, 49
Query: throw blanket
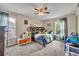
42, 38
47, 37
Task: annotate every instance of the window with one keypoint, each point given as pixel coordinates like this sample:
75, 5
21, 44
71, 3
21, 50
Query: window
57, 27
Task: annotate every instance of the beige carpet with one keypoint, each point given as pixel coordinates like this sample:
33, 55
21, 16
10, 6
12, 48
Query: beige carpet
55, 48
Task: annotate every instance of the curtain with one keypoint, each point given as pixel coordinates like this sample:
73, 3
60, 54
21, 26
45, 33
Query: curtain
63, 27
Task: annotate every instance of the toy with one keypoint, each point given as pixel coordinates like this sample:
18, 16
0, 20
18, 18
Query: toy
24, 38
72, 45
73, 39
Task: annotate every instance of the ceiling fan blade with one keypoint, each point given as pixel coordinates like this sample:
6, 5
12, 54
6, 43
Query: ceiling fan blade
47, 12
36, 9
45, 8
36, 13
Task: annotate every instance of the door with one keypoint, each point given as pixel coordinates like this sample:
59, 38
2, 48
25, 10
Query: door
2, 40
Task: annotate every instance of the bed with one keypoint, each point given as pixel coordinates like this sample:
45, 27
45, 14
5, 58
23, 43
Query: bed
71, 50
48, 38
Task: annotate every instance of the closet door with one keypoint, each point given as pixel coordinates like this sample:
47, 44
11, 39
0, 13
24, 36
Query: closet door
12, 32
3, 29
2, 40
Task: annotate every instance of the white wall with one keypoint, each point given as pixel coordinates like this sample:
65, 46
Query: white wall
77, 13
72, 23
52, 24
20, 27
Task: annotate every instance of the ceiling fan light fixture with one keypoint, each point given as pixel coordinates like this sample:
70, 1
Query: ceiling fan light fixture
42, 10
41, 14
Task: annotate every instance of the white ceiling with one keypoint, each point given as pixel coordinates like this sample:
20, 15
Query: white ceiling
55, 9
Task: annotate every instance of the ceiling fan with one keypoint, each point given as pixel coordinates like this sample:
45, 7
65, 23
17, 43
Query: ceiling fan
42, 10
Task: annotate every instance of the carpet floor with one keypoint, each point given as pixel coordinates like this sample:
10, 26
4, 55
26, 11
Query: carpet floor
55, 48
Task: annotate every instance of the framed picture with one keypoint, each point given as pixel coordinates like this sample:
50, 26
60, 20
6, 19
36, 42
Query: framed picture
25, 22
48, 24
